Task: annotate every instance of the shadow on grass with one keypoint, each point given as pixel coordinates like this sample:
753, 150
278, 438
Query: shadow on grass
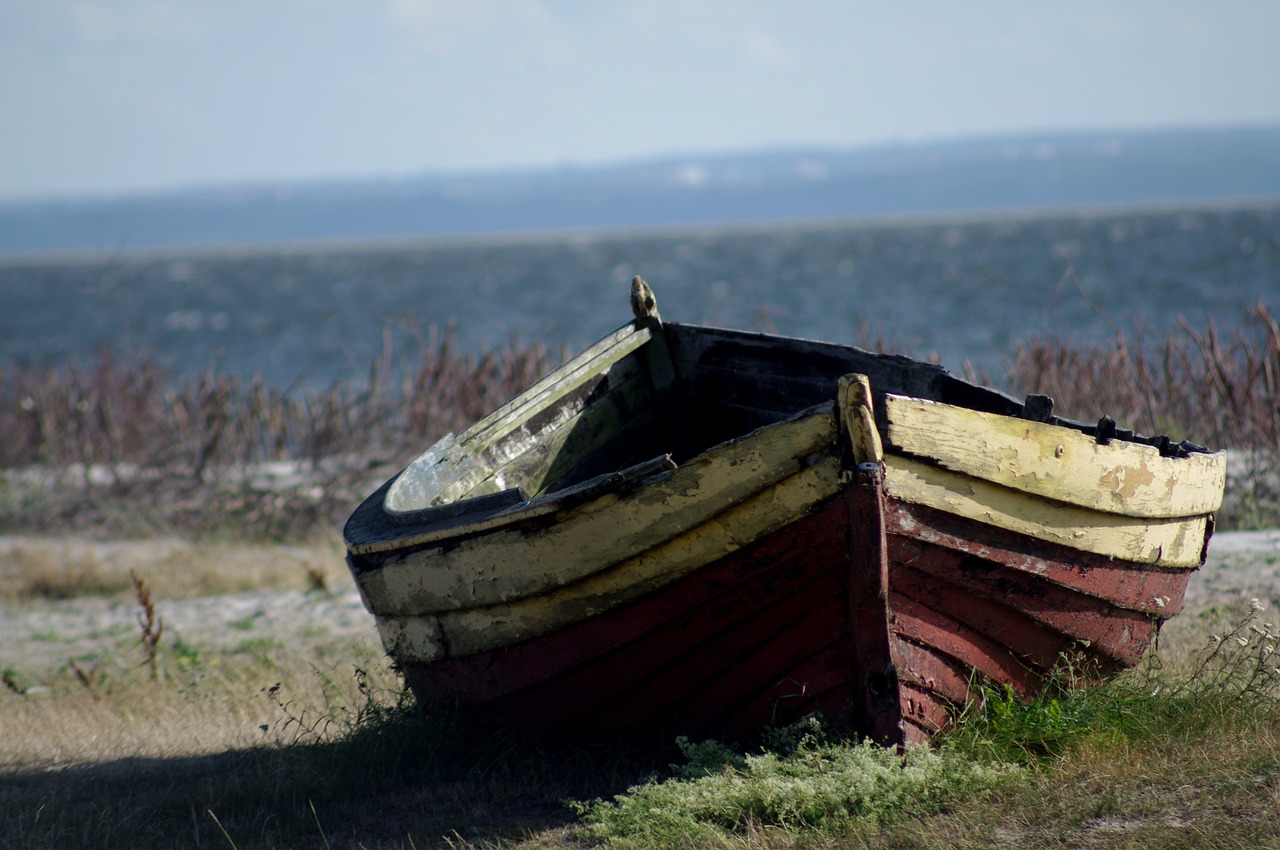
402, 781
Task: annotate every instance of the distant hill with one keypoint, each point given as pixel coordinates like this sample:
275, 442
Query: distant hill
1041, 171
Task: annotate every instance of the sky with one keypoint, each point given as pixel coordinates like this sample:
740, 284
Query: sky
104, 97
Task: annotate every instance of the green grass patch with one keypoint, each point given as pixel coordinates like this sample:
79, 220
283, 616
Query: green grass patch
1151, 758
820, 790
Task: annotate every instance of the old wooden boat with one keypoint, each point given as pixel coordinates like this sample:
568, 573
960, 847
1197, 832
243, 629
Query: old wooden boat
694, 530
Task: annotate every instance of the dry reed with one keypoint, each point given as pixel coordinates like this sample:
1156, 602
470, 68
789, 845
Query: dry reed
128, 449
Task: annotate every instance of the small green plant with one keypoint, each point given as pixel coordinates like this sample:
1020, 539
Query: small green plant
814, 788
1236, 675
706, 758
1242, 664
821, 788
16, 681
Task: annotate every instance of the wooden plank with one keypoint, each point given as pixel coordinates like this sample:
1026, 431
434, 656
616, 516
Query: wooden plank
510, 563
702, 686
781, 395
930, 628
925, 670
757, 588
707, 423
1014, 609
413, 633
1169, 543
614, 430
720, 661
557, 441
698, 348
1036, 643
1152, 591
456, 466
559, 382
875, 680
787, 687
1057, 463
933, 689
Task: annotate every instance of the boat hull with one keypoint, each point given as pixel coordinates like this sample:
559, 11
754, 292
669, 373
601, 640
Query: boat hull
766, 636
834, 532
759, 636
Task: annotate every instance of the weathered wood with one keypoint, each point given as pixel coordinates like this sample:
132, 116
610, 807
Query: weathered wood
610, 427
875, 678
724, 642
856, 408
456, 470
709, 530
918, 624
446, 630
710, 350
933, 688
1057, 463
1152, 592
511, 563
1169, 543
1039, 644
1022, 612
546, 392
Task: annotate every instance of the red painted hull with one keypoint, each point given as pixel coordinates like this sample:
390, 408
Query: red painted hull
879, 611
761, 635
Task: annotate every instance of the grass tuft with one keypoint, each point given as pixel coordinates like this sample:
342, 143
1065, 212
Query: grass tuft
1109, 764
822, 789
1182, 755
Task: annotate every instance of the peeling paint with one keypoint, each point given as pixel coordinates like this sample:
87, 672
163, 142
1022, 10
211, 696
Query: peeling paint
1055, 462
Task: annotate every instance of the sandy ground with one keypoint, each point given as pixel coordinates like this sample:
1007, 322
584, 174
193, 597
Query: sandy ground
39, 637
1242, 565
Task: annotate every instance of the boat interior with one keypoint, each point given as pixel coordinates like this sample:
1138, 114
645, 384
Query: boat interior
652, 396
689, 389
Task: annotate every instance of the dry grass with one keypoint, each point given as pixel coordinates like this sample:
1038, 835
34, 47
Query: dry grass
125, 449
124, 416
52, 568
279, 748
35, 572
1218, 390
311, 744
255, 737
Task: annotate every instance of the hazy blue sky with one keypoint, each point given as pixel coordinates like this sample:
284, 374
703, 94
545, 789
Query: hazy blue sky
134, 95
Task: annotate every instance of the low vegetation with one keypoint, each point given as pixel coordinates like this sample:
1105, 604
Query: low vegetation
267, 745
125, 449
144, 735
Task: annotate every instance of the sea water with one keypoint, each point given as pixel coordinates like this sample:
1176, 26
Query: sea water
959, 289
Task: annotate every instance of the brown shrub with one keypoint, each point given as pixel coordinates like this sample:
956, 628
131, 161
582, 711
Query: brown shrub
127, 449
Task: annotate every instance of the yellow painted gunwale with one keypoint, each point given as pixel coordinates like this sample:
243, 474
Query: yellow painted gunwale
432, 636
509, 561
1058, 463
1172, 543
